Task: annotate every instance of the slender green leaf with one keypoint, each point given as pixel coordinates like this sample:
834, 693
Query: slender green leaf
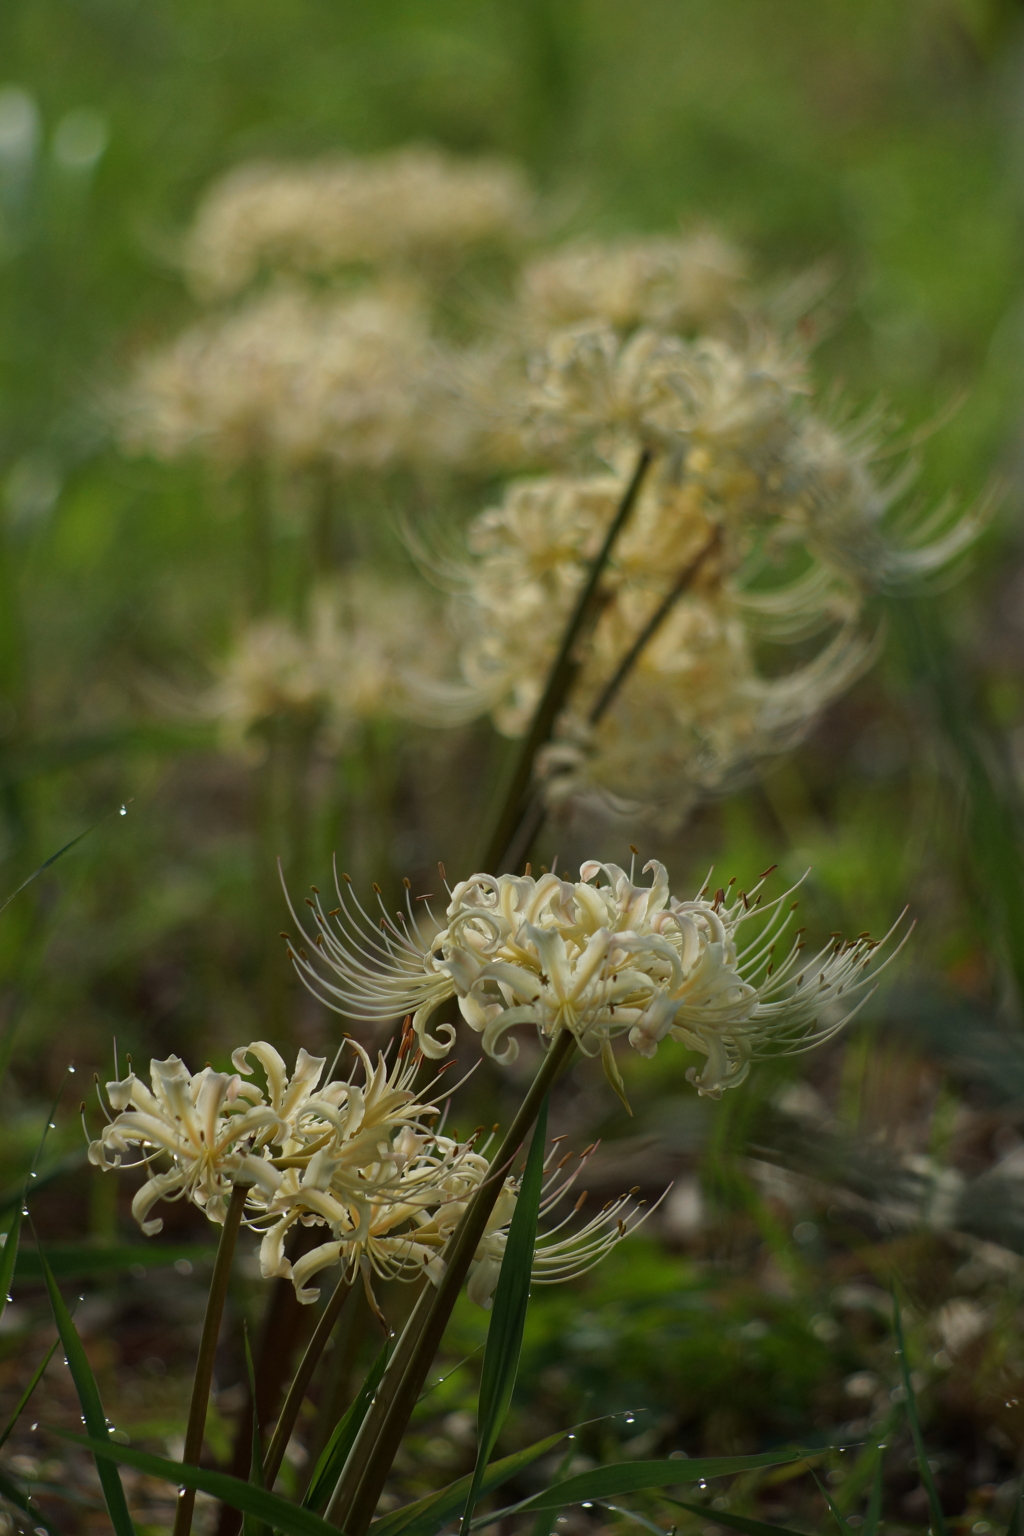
832, 1508
927, 1481
14, 1495
735, 1522
427, 1515
251, 1525
77, 1261
291, 1519
92, 1407
873, 1514
8, 1257
634, 1515
59, 855
335, 1453
508, 1318
633, 1476
14, 1194
546, 1519
37, 1377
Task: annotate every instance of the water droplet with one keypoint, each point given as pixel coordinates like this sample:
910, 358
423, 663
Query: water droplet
24, 1210
701, 1483
33, 1174
570, 1437
586, 1504
124, 810
9, 1296
35, 1426
630, 1419
71, 1069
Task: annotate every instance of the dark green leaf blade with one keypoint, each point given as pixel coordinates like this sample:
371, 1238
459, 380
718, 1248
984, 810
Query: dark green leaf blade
873, 1513
335, 1452
37, 1377
78, 1261
927, 1481
8, 1257
275, 1511
251, 1526
508, 1317
428, 1514
92, 1407
735, 1522
634, 1476
14, 1495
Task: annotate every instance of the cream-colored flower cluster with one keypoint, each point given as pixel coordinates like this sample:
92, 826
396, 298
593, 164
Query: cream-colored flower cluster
677, 283
359, 1161
410, 205
601, 957
361, 655
296, 378
768, 523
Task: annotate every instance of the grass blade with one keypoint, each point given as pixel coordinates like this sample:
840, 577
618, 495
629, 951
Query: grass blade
742, 1523
335, 1452
271, 1508
8, 1258
508, 1318
78, 1261
427, 1515
546, 1519
121, 810
14, 1194
14, 1495
92, 1407
927, 1481
635, 1476
873, 1514
251, 1525
37, 1377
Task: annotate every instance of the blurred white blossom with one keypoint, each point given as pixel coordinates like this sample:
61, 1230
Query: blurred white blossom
676, 283
297, 377
363, 654
407, 206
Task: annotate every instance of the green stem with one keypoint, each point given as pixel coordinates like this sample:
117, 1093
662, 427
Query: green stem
560, 680
297, 1391
355, 1499
207, 1353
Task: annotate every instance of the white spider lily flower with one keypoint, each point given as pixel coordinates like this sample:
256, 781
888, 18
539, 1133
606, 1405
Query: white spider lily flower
210, 1127
598, 960
361, 1163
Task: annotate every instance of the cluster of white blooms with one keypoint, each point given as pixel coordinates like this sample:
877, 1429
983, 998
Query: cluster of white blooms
358, 657
598, 960
676, 283
358, 1159
296, 377
407, 206
768, 522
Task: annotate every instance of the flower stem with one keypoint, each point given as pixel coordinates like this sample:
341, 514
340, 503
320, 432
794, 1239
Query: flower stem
560, 680
203, 1380
355, 1498
297, 1391
610, 691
